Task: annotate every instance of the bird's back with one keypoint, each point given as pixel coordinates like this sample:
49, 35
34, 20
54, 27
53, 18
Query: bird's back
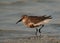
36, 19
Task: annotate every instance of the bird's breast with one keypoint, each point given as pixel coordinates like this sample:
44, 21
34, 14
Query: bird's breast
29, 24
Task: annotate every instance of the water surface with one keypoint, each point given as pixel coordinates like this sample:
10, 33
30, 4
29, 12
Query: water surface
12, 10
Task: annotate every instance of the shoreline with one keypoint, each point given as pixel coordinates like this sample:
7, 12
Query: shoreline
33, 39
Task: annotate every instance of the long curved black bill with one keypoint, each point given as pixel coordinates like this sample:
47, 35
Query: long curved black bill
18, 21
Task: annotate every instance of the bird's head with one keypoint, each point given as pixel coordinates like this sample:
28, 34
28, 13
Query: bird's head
23, 17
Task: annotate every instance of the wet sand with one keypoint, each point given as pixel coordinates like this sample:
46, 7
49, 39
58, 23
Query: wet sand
33, 39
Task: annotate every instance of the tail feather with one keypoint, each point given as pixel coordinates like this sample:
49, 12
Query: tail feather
47, 17
50, 17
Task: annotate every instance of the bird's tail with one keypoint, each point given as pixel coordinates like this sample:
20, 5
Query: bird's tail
50, 17
47, 17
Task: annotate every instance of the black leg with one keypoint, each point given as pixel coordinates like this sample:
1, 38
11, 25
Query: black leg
41, 28
36, 31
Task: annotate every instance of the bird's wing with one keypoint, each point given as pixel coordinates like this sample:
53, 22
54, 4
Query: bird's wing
36, 19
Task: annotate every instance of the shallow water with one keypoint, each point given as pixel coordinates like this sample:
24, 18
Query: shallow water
11, 12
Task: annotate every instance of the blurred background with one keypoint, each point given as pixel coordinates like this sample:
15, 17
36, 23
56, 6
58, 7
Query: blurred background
12, 10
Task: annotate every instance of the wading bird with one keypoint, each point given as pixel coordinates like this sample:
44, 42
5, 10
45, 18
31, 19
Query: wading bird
35, 21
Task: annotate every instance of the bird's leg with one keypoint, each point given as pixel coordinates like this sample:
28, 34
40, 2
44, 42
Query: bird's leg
41, 28
36, 31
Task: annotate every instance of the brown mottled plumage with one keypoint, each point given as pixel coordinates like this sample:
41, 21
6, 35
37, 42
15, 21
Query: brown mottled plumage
35, 21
